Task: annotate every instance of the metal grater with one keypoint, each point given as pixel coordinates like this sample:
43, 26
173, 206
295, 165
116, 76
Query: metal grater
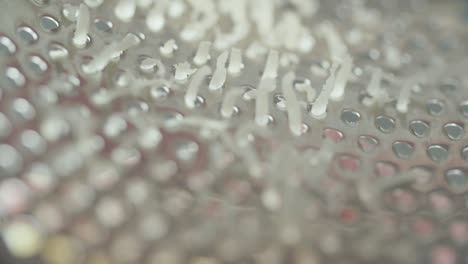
220, 131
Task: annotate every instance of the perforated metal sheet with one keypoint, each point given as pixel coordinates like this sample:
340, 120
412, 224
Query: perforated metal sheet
116, 167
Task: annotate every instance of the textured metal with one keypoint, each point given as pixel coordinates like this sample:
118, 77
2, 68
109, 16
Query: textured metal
116, 168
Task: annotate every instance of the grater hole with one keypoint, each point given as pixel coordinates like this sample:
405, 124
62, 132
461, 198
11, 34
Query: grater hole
37, 65
186, 150
463, 108
10, 160
385, 169
15, 196
49, 24
435, 107
457, 178
57, 51
464, 153
27, 35
454, 131
403, 149
367, 143
110, 212
333, 134
402, 200
423, 226
7, 46
40, 177
136, 107
449, 87
458, 230
22, 110
349, 162
199, 101
160, 93
385, 124
14, 78
441, 202
350, 117
419, 128
105, 26
424, 176
279, 102
33, 142
5, 126
40, 3
438, 153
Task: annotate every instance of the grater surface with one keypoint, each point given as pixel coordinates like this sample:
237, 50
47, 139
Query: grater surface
185, 131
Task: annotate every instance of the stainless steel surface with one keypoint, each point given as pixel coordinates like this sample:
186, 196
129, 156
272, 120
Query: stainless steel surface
115, 167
